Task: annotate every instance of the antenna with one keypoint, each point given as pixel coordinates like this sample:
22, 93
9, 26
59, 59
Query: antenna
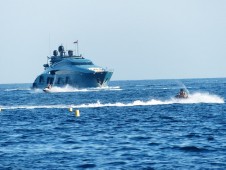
76, 48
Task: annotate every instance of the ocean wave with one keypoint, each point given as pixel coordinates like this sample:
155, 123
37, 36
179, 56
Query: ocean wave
193, 98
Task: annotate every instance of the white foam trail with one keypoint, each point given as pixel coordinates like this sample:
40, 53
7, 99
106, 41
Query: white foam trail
193, 98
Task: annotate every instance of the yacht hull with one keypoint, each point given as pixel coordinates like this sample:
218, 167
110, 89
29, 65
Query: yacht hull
73, 79
73, 70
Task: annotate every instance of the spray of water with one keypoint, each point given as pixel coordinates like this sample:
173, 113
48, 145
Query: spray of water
182, 86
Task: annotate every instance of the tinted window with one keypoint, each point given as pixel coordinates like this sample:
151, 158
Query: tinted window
41, 79
82, 63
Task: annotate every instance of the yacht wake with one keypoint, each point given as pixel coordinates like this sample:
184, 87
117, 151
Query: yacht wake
68, 88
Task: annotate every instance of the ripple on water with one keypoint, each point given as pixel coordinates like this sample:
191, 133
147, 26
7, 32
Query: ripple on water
191, 148
86, 165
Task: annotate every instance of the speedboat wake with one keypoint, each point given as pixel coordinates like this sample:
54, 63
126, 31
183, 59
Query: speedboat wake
193, 98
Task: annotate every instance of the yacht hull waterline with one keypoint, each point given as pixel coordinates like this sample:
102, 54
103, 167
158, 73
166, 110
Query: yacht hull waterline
71, 70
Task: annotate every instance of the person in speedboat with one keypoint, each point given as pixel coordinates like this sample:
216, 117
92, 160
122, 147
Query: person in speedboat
182, 94
48, 88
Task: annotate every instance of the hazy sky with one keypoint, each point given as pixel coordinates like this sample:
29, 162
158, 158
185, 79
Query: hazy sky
139, 39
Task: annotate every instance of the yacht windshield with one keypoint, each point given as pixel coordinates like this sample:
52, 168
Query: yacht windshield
82, 63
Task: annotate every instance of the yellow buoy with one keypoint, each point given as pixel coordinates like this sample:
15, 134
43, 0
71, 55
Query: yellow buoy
70, 109
77, 114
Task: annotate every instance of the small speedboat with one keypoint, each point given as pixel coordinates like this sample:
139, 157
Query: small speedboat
47, 89
182, 94
181, 97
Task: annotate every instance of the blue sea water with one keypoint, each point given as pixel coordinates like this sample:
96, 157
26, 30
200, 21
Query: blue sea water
128, 125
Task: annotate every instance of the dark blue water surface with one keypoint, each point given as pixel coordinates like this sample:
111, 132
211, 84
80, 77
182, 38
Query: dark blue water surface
128, 125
